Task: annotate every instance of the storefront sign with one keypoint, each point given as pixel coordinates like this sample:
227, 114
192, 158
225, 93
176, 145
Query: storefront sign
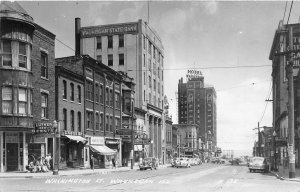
97, 140
112, 141
12, 137
130, 28
280, 142
73, 133
44, 127
123, 131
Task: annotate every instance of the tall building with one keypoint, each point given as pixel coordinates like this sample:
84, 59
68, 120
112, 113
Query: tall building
197, 105
285, 48
135, 49
27, 82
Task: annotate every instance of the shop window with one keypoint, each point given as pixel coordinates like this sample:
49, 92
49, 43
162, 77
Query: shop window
121, 59
22, 55
99, 43
44, 105
6, 55
7, 100
44, 65
110, 42
79, 122
65, 119
72, 121
121, 40
72, 92
22, 101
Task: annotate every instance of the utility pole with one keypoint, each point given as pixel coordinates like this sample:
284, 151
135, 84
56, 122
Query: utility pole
259, 143
291, 137
132, 137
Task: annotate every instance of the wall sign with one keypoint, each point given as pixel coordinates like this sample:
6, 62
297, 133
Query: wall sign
97, 140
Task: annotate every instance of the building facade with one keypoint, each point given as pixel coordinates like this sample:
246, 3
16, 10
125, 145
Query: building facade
197, 105
27, 88
137, 50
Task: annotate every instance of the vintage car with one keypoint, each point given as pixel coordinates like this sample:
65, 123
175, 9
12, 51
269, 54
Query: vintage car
183, 162
149, 163
258, 164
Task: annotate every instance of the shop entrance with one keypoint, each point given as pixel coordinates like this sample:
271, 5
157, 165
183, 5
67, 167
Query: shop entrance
12, 156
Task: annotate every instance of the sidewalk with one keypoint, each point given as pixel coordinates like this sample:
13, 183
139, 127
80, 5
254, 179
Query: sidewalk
283, 174
71, 172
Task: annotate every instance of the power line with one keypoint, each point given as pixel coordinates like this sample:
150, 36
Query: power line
268, 97
290, 13
251, 84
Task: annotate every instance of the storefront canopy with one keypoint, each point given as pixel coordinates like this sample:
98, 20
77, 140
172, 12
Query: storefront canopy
102, 149
76, 138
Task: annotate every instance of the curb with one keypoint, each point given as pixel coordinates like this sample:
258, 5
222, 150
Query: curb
277, 175
283, 178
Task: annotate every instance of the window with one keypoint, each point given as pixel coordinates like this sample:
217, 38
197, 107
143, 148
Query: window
144, 41
149, 64
110, 42
99, 43
89, 119
118, 103
101, 94
89, 90
101, 122
97, 122
79, 94
97, 90
149, 47
99, 58
150, 82
144, 60
106, 96
121, 59
72, 92
110, 60
22, 55
22, 101
154, 51
7, 100
121, 40
149, 98
154, 69
154, 100
111, 124
106, 123
144, 95
44, 105
158, 87
44, 65
154, 84
6, 57
158, 72
111, 98
79, 121
64, 91
72, 123
144, 78
65, 118
117, 123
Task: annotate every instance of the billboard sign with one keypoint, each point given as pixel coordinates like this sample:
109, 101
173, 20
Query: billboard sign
193, 74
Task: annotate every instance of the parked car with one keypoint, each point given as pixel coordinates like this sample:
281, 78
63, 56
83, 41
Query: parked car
183, 162
149, 163
258, 164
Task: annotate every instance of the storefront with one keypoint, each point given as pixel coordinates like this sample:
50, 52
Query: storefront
72, 149
115, 145
102, 155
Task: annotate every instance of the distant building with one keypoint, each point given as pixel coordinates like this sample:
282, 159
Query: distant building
135, 49
197, 105
27, 86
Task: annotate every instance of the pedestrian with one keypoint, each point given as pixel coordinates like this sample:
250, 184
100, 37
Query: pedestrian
48, 160
92, 162
113, 162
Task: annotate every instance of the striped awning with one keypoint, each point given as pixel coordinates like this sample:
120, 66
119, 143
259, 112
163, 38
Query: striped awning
102, 149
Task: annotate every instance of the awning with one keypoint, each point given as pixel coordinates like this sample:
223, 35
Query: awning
76, 138
102, 149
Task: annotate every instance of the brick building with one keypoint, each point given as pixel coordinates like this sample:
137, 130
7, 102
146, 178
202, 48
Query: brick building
27, 88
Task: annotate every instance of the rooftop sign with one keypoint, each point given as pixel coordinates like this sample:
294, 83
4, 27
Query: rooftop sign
193, 74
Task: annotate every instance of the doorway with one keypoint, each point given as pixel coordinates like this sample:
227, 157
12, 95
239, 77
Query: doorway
12, 156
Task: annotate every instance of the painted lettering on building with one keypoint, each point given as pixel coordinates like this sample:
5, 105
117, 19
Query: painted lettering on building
110, 30
193, 74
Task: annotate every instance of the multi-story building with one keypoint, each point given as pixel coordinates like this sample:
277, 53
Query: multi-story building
27, 84
102, 109
197, 105
285, 48
137, 50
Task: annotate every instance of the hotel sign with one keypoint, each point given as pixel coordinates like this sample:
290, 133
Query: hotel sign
129, 28
193, 74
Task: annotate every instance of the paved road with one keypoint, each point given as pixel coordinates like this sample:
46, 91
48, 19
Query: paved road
208, 177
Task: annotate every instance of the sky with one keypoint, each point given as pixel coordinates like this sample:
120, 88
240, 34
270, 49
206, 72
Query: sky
211, 36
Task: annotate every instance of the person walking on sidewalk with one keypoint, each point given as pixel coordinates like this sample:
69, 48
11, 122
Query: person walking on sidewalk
113, 162
92, 162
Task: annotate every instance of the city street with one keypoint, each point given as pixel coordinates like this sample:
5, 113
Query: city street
207, 177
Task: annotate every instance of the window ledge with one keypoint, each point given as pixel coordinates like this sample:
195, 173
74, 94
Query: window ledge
45, 78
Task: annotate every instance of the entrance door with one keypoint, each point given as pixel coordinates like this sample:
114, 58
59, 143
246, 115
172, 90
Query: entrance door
12, 156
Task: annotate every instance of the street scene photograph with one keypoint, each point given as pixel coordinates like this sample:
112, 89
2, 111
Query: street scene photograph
150, 95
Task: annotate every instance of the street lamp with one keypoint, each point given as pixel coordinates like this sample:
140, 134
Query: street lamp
56, 147
274, 154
